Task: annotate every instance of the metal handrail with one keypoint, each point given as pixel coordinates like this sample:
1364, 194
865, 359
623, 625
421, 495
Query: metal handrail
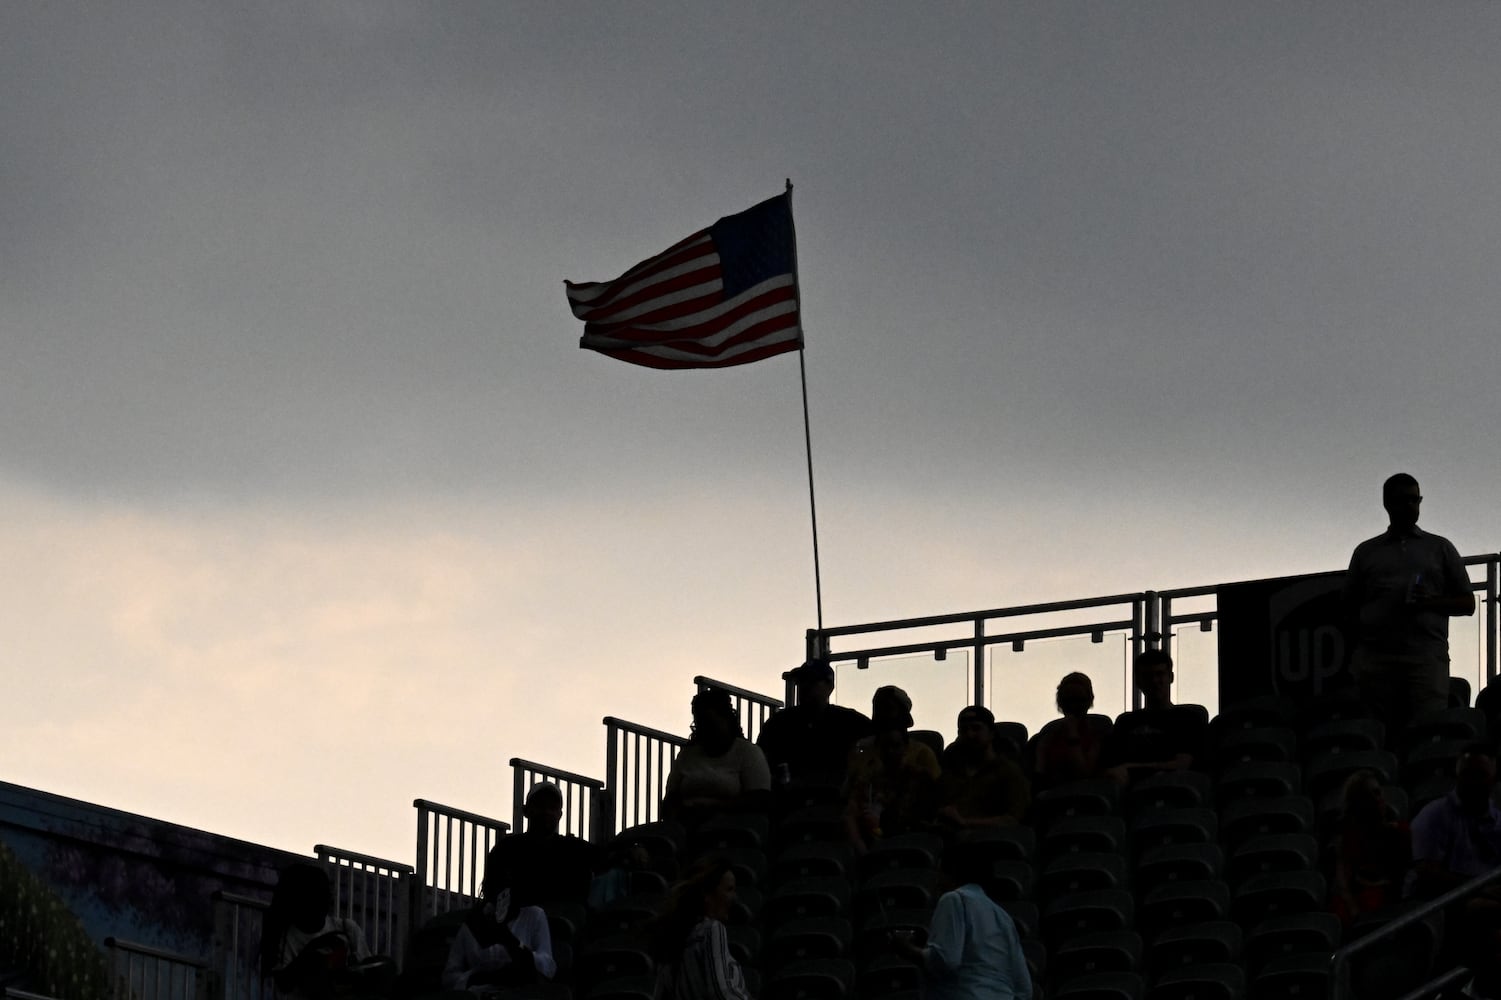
455, 865
337, 854
1078, 604
381, 907
639, 800
1339, 962
752, 707
579, 817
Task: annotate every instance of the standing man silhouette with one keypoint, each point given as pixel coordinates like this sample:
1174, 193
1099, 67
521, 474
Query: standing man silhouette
1402, 588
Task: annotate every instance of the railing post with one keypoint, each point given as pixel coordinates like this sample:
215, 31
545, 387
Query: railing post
979, 667
419, 877
612, 776
518, 795
1492, 636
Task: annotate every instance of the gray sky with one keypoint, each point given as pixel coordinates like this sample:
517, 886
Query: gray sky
301, 467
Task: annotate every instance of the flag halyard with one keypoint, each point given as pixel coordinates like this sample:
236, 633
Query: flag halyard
725, 295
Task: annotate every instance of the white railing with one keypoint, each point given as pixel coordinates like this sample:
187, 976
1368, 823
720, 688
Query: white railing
451, 849
637, 762
373, 893
236, 970
141, 972
752, 708
582, 814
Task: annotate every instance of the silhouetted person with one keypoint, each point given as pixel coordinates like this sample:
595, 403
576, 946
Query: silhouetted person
1068, 749
719, 770
1372, 851
893, 779
1402, 588
1160, 736
979, 787
973, 950
501, 943
813, 738
309, 953
689, 942
549, 866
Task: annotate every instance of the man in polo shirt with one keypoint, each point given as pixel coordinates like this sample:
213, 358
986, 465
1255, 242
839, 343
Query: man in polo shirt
812, 738
1402, 588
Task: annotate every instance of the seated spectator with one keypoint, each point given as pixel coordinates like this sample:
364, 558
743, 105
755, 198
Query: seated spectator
719, 770
1160, 736
1371, 851
813, 738
549, 866
893, 780
978, 787
689, 943
625, 859
1068, 749
307, 952
501, 942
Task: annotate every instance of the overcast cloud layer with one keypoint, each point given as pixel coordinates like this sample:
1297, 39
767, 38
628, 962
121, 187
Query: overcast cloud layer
299, 460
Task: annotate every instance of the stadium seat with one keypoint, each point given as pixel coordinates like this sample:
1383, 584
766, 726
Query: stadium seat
637, 987
1010, 739
748, 863
887, 977
1432, 760
1081, 834
871, 941
1328, 771
1173, 826
814, 859
1103, 951
814, 937
808, 897
800, 793
1403, 962
1177, 863
1170, 790
1272, 852
1024, 914
813, 824
747, 905
1246, 818
1102, 986
1258, 780
1088, 797
815, 979
1465, 725
1004, 843
1342, 736
1266, 745
1207, 943
930, 738
1459, 692
1274, 894
1293, 934
1082, 872
611, 957
1088, 912
1342, 703
1220, 981
565, 918
900, 889
628, 914
745, 943
1175, 903
1261, 712
1011, 880
907, 850
536, 991
1293, 977
730, 830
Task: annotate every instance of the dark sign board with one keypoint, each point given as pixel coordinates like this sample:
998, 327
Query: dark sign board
1283, 636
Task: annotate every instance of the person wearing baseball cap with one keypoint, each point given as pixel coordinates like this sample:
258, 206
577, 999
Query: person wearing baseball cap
813, 738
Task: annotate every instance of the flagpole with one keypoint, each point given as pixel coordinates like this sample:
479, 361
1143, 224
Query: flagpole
802, 369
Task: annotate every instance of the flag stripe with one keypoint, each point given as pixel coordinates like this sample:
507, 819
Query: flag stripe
657, 359
704, 264
777, 303
599, 292
670, 294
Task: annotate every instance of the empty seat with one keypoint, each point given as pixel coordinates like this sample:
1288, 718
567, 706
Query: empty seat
1175, 903
1206, 943
1261, 712
1328, 771
565, 918
1246, 818
1459, 692
1023, 913
1220, 981
638, 987
1342, 703
1082, 872
1258, 780
1342, 736
1103, 951
814, 859
1087, 797
1292, 934
900, 889
814, 979
1088, 912
1010, 739
815, 937
821, 823
1432, 760
808, 897
1293, 977
1173, 826
887, 976
748, 904
1274, 852
800, 793
1463, 724
628, 914
730, 830
1003, 843
874, 929
906, 850
1268, 745
1103, 986
748, 863
1177, 863
1274, 894
612, 957
1081, 834
1170, 790
1011, 880
745, 943
663, 839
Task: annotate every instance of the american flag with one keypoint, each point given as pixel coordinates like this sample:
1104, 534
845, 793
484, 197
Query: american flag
727, 295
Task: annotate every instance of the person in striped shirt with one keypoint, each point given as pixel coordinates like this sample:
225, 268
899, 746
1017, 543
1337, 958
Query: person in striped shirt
689, 942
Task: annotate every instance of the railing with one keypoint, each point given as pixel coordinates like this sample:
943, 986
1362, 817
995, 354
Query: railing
637, 762
1339, 963
238, 921
581, 797
11, 993
448, 875
752, 708
977, 636
140, 972
373, 893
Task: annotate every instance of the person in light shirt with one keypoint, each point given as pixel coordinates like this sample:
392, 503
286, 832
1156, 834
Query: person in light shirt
501, 943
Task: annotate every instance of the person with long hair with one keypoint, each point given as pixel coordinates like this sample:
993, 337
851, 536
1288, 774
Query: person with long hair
306, 951
500, 943
719, 770
689, 942
1068, 748
1372, 851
